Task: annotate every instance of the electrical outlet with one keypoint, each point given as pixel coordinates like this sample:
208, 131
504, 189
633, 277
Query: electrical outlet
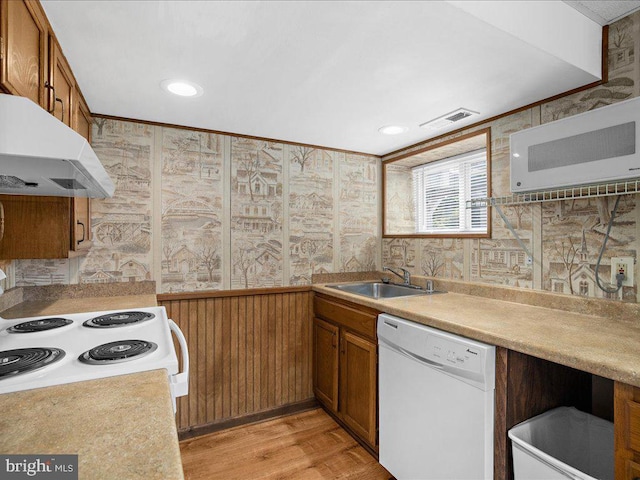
622, 265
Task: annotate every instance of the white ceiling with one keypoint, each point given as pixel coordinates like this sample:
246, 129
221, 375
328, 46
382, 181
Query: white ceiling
322, 72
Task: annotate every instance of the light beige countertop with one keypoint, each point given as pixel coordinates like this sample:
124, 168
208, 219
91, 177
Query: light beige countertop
120, 427
60, 306
605, 344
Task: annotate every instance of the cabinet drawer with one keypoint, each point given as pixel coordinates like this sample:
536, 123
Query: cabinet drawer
351, 316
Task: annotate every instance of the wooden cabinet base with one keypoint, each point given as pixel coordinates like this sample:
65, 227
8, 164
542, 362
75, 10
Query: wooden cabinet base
346, 366
627, 431
527, 386
325, 365
358, 386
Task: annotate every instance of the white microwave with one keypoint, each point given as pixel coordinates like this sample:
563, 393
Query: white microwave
598, 146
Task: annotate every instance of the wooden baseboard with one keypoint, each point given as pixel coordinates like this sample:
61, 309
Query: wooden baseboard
247, 419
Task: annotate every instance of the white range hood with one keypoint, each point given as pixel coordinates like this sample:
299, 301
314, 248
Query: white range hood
40, 155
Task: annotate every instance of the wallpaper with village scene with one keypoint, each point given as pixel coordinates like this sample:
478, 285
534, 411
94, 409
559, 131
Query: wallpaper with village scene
191, 232
291, 211
564, 238
196, 210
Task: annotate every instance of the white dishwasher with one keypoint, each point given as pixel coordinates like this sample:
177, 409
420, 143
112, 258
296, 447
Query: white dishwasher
436, 400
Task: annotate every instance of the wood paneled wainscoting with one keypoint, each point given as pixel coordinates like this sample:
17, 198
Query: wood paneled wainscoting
250, 354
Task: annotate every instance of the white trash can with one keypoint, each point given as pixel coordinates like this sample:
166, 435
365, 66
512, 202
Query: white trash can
563, 443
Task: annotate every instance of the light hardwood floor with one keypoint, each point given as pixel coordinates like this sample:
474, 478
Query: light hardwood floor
308, 445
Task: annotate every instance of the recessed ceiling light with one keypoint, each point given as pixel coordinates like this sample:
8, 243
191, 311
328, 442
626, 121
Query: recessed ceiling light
182, 88
392, 129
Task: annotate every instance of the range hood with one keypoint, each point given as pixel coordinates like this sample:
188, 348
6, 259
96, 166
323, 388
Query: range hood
40, 155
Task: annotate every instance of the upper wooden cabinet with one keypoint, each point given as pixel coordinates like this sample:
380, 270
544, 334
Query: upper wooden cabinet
61, 87
35, 227
80, 226
81, 116
81, 207
33, 65
23, 49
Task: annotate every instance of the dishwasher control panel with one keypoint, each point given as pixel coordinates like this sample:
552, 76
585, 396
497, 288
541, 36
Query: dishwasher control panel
452, 354
455, 354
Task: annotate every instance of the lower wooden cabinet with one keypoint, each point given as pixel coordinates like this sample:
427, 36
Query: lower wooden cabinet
627, 431
345, 376
325, 366
358, 385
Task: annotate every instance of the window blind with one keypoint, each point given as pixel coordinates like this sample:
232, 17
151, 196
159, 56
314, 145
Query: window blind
441, 190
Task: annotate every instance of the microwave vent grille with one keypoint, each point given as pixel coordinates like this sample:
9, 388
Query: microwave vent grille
610, 142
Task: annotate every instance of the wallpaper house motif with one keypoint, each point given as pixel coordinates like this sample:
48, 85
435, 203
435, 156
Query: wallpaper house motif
565, 237
196, 210
202, 211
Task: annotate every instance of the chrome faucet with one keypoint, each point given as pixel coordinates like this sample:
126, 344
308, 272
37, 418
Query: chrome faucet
406, 274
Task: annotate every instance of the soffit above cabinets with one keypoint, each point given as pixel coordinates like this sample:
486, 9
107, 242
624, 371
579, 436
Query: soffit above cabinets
324, 73
607, 12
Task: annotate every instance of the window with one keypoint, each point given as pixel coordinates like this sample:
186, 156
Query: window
441, 190
445, 174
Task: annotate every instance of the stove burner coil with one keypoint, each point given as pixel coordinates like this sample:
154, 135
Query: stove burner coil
39, 325
22, 360
118, 319
116, 352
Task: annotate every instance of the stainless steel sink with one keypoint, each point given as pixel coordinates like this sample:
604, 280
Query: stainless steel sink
381, 290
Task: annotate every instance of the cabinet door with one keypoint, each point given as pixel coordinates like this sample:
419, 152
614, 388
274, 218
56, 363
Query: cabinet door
82, 120
627, 431
61, 98
23, 53
325, 363
35, 227
81, 207
358, 389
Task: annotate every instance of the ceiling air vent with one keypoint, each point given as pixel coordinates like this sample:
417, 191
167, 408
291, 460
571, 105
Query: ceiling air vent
448, 119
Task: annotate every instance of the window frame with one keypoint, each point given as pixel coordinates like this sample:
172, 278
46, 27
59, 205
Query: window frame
432, 149
447, 185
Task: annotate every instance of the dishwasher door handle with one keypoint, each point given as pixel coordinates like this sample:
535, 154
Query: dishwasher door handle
413, 356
